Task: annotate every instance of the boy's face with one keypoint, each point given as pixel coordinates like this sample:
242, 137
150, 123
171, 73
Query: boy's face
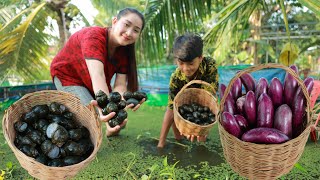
189, 68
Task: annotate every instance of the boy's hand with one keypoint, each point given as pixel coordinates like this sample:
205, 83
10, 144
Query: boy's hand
199, 138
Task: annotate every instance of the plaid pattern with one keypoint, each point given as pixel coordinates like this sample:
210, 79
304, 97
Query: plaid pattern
207, 72
89, 43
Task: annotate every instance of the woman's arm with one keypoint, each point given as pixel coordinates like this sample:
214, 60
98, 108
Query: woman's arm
120, 83
98, 78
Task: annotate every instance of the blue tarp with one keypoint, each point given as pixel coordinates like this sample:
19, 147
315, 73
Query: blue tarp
154, 81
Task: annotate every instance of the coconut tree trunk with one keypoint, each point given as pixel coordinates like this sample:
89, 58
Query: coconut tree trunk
63, 32
255, 26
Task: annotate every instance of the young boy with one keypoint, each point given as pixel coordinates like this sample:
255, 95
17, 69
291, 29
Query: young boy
187, 51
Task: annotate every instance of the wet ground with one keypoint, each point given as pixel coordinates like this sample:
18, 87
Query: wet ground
188, 154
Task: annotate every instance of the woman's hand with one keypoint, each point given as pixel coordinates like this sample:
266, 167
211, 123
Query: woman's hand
112, 131
134, 108
103, 118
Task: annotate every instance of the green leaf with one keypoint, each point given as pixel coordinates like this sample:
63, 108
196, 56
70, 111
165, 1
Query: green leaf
298, 166
196, 175
285, 18
313, 5
154, 167
144, 177
165, 162
9, 165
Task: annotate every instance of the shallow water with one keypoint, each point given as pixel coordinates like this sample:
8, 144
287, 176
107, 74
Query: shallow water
187, 153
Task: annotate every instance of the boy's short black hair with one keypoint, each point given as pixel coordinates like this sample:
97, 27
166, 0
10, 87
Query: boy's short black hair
187, 47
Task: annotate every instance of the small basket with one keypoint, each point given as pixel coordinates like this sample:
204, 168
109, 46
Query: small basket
263, 161
200, 96
83, 115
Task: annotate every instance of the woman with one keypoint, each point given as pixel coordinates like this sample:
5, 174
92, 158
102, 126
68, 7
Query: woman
93, 55
187, 51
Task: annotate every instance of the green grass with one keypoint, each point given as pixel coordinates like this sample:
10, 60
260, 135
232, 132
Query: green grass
133, 155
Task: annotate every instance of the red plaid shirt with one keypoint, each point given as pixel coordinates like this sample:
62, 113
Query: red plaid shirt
70, 66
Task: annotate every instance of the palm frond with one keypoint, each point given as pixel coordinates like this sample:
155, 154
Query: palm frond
165, 19
24, 47
313, 5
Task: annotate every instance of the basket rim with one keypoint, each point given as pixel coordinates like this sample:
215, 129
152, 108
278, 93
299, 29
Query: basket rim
5, 121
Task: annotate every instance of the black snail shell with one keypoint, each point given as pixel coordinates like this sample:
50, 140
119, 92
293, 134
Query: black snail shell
51, 129
29, 151
99, 94
70, 160
41, 110
68, 115
56, 163
122, 104
127, 95
36, 136
29, 117
139, 95
41, 125
122, 115
50, 149
42, 159
115, 97
132, 101
103, 101
75, 134
113, 122
60, 136
111, 107
57, 108
23, 140
73, 148
20, 126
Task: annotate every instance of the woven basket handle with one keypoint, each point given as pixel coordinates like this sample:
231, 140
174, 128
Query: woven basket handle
197, 82
267, 66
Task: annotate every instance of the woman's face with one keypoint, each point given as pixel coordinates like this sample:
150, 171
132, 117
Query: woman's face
127, 29
189, 68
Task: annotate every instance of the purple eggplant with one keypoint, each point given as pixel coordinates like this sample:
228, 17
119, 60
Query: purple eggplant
239, 104
265, 136
229, 105
236, 89
248, 82
262, 87
230, 124
250, 108
290, 87
275, 92
265, 111
283, 120
243, 123
299, 107
222, 88
308, 82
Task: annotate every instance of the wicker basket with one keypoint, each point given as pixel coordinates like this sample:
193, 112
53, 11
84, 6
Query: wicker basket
84, 115
263, 161
200, 96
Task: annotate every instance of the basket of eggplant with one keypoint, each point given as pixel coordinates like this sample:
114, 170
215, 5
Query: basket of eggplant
263, 125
